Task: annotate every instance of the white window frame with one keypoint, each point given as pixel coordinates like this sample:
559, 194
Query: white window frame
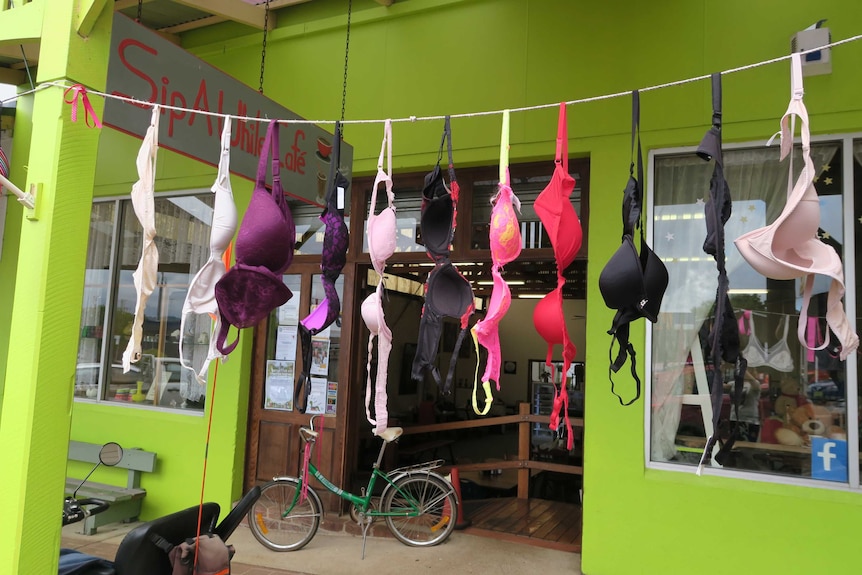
853, 479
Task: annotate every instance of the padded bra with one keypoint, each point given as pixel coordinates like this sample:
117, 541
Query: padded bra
632, 282
447, 292
505, 240
777, 357
555, 210
253, 287
143, 202
788, 247
200, 298
382, 237
332, 260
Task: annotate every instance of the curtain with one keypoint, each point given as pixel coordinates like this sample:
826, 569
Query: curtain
758, 186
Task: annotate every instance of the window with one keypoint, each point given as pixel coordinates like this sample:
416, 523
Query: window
794, 398
183, 225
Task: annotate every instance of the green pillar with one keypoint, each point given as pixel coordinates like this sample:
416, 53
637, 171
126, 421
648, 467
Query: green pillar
36, 408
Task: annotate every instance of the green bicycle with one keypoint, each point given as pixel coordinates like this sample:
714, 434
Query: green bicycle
419, 505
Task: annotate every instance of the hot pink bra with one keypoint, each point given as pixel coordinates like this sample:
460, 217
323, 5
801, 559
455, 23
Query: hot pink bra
505, 239
382, 237
788, 248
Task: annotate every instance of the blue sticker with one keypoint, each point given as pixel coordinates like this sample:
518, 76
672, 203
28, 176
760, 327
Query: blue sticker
829, 459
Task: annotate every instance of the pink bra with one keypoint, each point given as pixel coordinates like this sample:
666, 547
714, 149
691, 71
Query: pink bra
200, 298
788, 248
382, 237
505, 239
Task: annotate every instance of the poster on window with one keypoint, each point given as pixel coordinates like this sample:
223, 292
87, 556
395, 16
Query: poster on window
320, 356
285, 342
279, 385
288, 314
317, 396
331, 397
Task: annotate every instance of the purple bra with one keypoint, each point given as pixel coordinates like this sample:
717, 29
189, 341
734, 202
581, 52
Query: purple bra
253, 287
334, 257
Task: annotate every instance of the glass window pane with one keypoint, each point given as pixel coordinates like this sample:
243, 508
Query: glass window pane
183, 229
527, 188
791, 394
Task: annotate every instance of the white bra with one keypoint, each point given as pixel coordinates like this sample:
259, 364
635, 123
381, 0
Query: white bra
777, 357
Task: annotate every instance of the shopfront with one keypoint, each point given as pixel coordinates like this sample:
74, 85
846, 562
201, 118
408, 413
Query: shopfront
64, 265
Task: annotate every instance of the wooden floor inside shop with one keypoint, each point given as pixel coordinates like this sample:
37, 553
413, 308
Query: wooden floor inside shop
539, 522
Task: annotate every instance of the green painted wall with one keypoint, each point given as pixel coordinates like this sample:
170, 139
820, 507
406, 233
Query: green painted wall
426, 57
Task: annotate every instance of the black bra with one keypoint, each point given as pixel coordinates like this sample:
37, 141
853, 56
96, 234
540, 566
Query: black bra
632, 282
447, 292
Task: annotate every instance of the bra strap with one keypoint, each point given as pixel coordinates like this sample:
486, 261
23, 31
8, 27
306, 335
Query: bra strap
562, 139
486, 385
334, 161
504, 149
385, 146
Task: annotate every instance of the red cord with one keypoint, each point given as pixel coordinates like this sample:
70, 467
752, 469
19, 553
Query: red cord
204, 475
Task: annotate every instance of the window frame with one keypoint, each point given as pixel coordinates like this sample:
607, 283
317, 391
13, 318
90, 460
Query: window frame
122, 203
846, 140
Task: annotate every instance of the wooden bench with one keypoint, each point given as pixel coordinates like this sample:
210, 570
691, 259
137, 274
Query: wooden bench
125, 502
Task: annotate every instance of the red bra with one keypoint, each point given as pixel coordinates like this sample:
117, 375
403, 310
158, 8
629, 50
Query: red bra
554, 208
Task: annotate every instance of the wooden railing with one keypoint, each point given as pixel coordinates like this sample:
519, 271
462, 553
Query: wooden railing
524, 419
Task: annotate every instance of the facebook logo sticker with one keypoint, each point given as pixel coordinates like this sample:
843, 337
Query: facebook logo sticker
828, 459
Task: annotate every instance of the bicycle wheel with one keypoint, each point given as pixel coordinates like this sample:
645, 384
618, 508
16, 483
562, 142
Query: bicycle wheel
429, 509
281, 532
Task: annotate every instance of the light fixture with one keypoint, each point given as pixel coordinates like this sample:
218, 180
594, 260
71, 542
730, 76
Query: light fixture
531, 295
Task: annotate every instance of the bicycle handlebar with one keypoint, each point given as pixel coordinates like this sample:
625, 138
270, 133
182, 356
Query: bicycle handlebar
75, 510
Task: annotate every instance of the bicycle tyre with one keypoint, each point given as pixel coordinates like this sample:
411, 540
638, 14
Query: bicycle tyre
288, 533
438, 509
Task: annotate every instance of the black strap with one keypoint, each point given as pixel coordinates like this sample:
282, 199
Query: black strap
633, 195
302, 391
335, 160
447, 139
161, 542
621, 334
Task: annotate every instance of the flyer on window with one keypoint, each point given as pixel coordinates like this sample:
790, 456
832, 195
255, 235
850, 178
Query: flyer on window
285, 342
317, 397
331, 397
320, 356
279, 385
288, 314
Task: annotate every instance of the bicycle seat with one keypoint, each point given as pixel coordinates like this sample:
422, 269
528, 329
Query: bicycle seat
390, 434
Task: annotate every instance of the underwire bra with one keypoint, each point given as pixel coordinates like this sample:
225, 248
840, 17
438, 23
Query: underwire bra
333, 258
200, 298
143, 202
447, 292
777, 357
382, 238
555, 210
789, 248
505, 241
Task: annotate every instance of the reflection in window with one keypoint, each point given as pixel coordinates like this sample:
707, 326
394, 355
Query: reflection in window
114, 248
791, 395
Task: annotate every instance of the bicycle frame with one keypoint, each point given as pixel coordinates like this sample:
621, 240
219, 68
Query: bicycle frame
363, 503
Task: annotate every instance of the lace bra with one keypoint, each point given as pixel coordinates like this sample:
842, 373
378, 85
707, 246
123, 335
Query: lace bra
777, 357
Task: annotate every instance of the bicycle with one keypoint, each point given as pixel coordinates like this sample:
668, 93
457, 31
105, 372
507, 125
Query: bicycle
419, 506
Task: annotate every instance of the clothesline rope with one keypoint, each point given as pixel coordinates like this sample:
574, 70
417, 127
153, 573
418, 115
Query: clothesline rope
145, 104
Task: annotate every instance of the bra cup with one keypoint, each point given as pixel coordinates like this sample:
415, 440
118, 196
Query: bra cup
557, 214
620, 281
370, 306
546, 318
453, 296
436, 225
264, 226
224, 222
382, 237
201, 295
655, 284
505, 234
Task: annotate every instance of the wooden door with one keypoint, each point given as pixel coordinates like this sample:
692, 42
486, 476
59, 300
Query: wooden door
274, 447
